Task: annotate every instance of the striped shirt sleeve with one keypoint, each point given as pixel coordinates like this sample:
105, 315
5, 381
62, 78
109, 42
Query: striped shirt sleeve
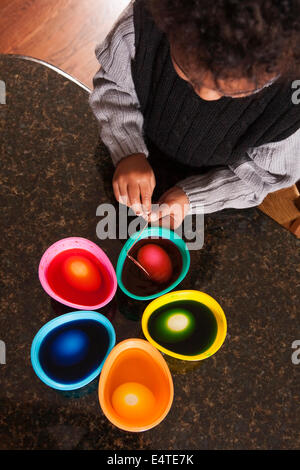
114, 100
262, 170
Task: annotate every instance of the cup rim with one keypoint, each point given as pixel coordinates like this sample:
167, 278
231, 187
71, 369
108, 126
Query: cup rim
99, 254
63, 319
143, 345
164, 233
198, 296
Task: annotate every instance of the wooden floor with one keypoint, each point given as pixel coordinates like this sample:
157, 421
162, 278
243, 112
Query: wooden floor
62, 32
65, 33
284, 207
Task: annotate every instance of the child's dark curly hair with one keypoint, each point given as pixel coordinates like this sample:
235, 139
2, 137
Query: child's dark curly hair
233, 38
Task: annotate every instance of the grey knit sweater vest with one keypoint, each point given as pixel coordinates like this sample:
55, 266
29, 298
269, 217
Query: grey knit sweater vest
193, 131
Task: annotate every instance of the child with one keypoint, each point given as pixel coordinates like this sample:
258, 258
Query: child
210, 86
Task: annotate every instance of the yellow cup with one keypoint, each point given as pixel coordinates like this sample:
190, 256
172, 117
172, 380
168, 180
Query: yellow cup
184, 295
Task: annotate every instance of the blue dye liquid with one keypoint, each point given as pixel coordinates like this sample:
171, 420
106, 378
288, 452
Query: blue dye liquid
71, 352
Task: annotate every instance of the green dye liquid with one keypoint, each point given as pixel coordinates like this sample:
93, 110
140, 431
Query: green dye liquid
183, 327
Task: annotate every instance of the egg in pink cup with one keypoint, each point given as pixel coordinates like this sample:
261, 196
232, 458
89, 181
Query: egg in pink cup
76, 272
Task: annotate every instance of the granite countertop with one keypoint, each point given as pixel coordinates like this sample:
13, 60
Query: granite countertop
54, 174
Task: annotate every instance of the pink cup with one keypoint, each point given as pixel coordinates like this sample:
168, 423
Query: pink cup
95, 250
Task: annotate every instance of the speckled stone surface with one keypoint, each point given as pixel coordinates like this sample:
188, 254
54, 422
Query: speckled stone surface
54, 174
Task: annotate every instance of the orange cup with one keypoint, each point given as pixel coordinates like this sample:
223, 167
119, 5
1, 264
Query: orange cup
135, 387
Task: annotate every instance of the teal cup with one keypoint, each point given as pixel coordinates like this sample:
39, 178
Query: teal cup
161, 232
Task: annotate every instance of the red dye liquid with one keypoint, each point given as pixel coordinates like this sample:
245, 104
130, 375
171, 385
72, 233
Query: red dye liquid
134, 278
92, 289
81, 273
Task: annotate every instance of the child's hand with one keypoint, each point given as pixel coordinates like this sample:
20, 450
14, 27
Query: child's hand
174, 203
134, 182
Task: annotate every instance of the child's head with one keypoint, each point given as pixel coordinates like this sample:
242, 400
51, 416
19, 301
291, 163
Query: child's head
231, 47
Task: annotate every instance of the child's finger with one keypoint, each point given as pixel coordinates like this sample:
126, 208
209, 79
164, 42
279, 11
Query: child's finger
116, 190
162, 211
167, 222
123, 191
146, 195
135, 198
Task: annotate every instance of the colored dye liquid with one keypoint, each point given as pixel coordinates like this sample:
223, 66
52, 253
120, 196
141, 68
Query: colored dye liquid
134, 278
60, 284
133, 401
184, 327
73, 351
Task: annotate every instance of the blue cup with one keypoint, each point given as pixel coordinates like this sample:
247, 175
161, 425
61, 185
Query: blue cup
69, 351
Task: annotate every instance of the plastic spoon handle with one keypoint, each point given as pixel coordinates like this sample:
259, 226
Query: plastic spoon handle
137, 238
131, 257
138, 265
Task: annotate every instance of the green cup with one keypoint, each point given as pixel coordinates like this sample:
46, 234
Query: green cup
154, 232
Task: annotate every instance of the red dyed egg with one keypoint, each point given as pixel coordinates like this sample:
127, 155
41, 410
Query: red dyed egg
156, 261
81, 273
